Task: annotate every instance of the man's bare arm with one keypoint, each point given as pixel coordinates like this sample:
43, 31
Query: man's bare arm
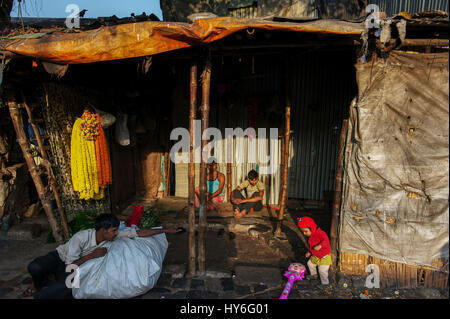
151, 232
255, 199
98, 252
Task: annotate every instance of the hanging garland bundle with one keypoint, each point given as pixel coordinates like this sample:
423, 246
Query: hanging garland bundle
91, 167
89, 126
102, 155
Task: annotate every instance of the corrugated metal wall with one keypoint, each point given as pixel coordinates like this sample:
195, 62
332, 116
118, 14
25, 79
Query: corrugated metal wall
392, 7
249, 12
322, 87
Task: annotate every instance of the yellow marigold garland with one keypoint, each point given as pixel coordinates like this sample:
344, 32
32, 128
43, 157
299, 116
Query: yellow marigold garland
84, 165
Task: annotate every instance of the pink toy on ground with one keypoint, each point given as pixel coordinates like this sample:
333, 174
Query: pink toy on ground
296, 271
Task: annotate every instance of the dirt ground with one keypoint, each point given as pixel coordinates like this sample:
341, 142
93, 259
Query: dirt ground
243, 261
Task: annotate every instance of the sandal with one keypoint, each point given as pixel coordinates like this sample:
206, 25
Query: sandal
29, 292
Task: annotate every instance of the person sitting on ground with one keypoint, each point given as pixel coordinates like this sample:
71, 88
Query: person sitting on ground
319, 249
83, 246
215, 183
254, 190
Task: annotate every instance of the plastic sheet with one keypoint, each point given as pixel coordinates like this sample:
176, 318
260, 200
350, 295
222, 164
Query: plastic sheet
148, 38
129, 269
396, 183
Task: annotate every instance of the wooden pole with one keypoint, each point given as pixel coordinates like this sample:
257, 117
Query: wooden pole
285, 159
229, 164
166, 174
206, 84
48, 167
16, 118
191, 171
337, 194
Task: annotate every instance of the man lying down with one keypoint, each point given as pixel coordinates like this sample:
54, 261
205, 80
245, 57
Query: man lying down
106, 267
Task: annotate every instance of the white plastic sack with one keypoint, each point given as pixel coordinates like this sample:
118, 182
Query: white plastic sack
122, 133
129, 269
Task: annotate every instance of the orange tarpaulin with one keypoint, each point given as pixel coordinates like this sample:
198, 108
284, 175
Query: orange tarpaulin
148, 38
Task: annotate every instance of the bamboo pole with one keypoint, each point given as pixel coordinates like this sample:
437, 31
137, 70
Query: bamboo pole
229, 164
285, 159
191, 171
48, 167
337, 194
16, 118
206, 84
166, 174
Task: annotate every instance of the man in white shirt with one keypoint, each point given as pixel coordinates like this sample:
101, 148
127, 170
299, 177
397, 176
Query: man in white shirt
83, 246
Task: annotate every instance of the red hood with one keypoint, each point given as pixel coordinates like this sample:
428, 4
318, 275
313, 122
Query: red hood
307, 222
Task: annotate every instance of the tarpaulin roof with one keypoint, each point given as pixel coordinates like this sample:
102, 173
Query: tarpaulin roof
148, 38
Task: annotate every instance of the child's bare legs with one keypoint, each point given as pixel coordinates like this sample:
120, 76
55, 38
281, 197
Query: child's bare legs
323, 271
239, 214
210, 205
197, 200
214, 203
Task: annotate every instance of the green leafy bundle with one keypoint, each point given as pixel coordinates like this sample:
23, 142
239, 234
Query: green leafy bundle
150, 218
82, 221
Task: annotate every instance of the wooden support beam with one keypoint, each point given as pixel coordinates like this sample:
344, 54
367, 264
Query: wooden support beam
285, 152
337, 194
229, 159
425, 42
16, 118
191, 171
304, 44
48, 167
206, 86
166, 173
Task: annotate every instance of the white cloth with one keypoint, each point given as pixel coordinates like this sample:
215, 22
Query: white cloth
84, 242
323, 271
129, 269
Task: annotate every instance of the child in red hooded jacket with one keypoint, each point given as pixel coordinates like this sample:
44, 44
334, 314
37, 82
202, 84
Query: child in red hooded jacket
319, 249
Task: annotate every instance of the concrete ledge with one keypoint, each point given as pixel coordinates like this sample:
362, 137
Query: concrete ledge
24, 232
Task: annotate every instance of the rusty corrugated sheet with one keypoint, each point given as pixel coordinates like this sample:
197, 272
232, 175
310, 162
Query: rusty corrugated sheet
323, 86
392, 7
149, 38
322, 80
248, 12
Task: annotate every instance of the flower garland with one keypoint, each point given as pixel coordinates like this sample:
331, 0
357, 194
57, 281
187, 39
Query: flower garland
84, 168
89, 126
102, 155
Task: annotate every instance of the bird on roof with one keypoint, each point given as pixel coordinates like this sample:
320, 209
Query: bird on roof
82, 13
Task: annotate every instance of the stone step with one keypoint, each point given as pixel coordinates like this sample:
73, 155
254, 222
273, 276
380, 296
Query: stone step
29, 228
24, 232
